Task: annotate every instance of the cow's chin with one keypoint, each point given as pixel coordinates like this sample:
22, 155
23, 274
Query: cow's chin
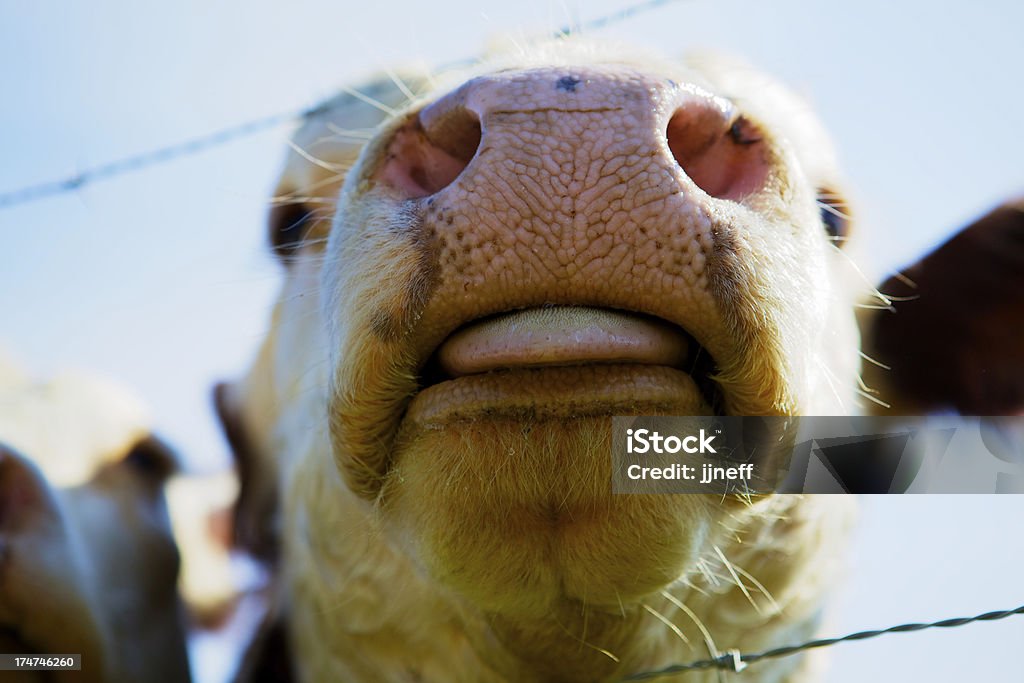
517, 517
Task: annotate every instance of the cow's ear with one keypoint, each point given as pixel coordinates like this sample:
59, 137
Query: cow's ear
255, 510
952, 340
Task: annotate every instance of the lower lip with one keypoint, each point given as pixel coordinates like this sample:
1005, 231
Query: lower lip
560, 393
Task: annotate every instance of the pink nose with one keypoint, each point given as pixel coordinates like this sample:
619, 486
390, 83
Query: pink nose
629, 117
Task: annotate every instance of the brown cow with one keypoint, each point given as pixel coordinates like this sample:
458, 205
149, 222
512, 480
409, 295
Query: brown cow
88, 564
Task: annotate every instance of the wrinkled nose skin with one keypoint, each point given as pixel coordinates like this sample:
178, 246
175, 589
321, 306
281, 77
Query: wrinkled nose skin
573, 186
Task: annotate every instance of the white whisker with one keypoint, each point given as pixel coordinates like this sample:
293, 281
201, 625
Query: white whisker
736, 577
313, 160
375, 103
665, 620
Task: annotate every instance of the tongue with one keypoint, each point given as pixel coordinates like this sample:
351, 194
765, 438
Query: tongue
562, 335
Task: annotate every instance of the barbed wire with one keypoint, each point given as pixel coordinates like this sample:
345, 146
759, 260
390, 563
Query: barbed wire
735, 661
155, 157
613, 18
162, 155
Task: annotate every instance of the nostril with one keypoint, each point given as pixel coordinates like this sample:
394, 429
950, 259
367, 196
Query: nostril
456, 131
430, 152
725, 157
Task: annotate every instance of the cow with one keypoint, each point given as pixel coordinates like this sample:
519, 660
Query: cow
88, 562
481, 268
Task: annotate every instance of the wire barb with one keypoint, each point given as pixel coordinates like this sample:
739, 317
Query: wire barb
734, 660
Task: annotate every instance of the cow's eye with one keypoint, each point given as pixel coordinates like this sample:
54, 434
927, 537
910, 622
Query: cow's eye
152, 460
289, 225
835, 215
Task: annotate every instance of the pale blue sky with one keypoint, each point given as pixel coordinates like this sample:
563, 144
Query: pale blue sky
161, 279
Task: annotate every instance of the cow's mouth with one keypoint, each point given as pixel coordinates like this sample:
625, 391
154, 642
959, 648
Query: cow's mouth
582, 360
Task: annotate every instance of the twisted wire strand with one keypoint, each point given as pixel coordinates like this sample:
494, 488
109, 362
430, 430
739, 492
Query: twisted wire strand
155, 157
735, 661
613, 17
